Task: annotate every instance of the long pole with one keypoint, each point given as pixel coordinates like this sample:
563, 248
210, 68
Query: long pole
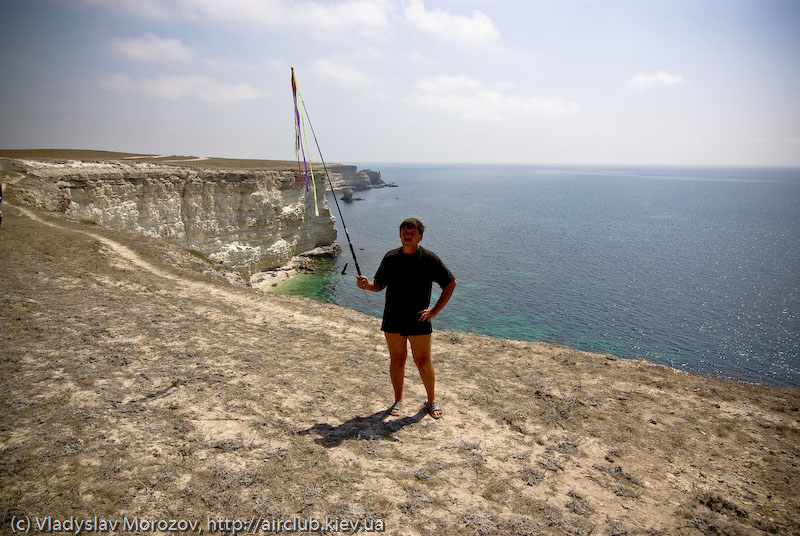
330, 184
333, 191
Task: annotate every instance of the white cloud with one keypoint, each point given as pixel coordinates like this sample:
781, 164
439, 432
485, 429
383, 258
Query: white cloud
328, 20
368, 17
533, 105
469, 98
342, 73
642, 81
173, 87
152, 48
478, 28
448, 84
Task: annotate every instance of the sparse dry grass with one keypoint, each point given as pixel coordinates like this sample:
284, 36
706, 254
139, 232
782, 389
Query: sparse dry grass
189, 161
125, 392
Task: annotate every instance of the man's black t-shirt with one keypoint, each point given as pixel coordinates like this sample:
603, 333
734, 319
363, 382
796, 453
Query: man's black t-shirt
409, 279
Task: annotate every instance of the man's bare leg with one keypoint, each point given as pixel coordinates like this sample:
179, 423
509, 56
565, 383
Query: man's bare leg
421, 350
398, 352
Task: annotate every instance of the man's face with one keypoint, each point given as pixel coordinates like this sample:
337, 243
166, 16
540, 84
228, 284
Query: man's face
410, 236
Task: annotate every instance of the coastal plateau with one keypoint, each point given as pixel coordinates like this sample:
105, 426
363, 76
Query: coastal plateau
137, 382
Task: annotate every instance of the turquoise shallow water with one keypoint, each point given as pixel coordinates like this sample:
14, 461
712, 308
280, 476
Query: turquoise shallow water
696, 268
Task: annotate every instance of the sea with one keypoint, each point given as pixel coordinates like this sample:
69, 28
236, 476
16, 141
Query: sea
697, 268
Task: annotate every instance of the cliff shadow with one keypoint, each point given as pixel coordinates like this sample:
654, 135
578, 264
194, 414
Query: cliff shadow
372, 427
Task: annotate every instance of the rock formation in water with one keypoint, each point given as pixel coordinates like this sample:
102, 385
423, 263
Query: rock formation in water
248, 220
351, 178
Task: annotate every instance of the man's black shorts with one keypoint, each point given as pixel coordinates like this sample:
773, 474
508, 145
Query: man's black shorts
411, 327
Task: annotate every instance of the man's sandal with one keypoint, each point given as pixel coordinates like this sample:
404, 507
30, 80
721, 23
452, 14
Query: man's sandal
433, 407
396, 409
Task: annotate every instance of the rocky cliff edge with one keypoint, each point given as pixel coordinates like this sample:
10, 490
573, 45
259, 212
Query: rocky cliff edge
247, 220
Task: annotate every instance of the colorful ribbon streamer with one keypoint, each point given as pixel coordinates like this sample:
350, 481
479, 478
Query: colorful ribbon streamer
301, 143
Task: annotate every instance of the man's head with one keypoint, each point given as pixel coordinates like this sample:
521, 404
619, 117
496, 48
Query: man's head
411, 233
410, 223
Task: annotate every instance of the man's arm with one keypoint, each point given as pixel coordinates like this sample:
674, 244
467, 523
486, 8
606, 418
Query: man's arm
366, 284
430, 312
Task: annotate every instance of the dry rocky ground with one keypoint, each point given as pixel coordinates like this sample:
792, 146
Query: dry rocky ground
136, 381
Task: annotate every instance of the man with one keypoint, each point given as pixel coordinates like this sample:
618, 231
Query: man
408, 274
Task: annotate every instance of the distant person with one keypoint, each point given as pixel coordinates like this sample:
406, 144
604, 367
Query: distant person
408, 274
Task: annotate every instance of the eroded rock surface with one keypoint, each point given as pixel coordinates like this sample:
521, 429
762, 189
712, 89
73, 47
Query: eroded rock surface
248, 220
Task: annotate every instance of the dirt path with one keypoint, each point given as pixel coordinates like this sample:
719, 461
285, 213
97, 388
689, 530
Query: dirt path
136, 381
249, 302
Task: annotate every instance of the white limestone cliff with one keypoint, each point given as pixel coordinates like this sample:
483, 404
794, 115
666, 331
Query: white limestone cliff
344, 177
248, 220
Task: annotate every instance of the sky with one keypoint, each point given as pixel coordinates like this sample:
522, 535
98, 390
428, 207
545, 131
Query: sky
629, 82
